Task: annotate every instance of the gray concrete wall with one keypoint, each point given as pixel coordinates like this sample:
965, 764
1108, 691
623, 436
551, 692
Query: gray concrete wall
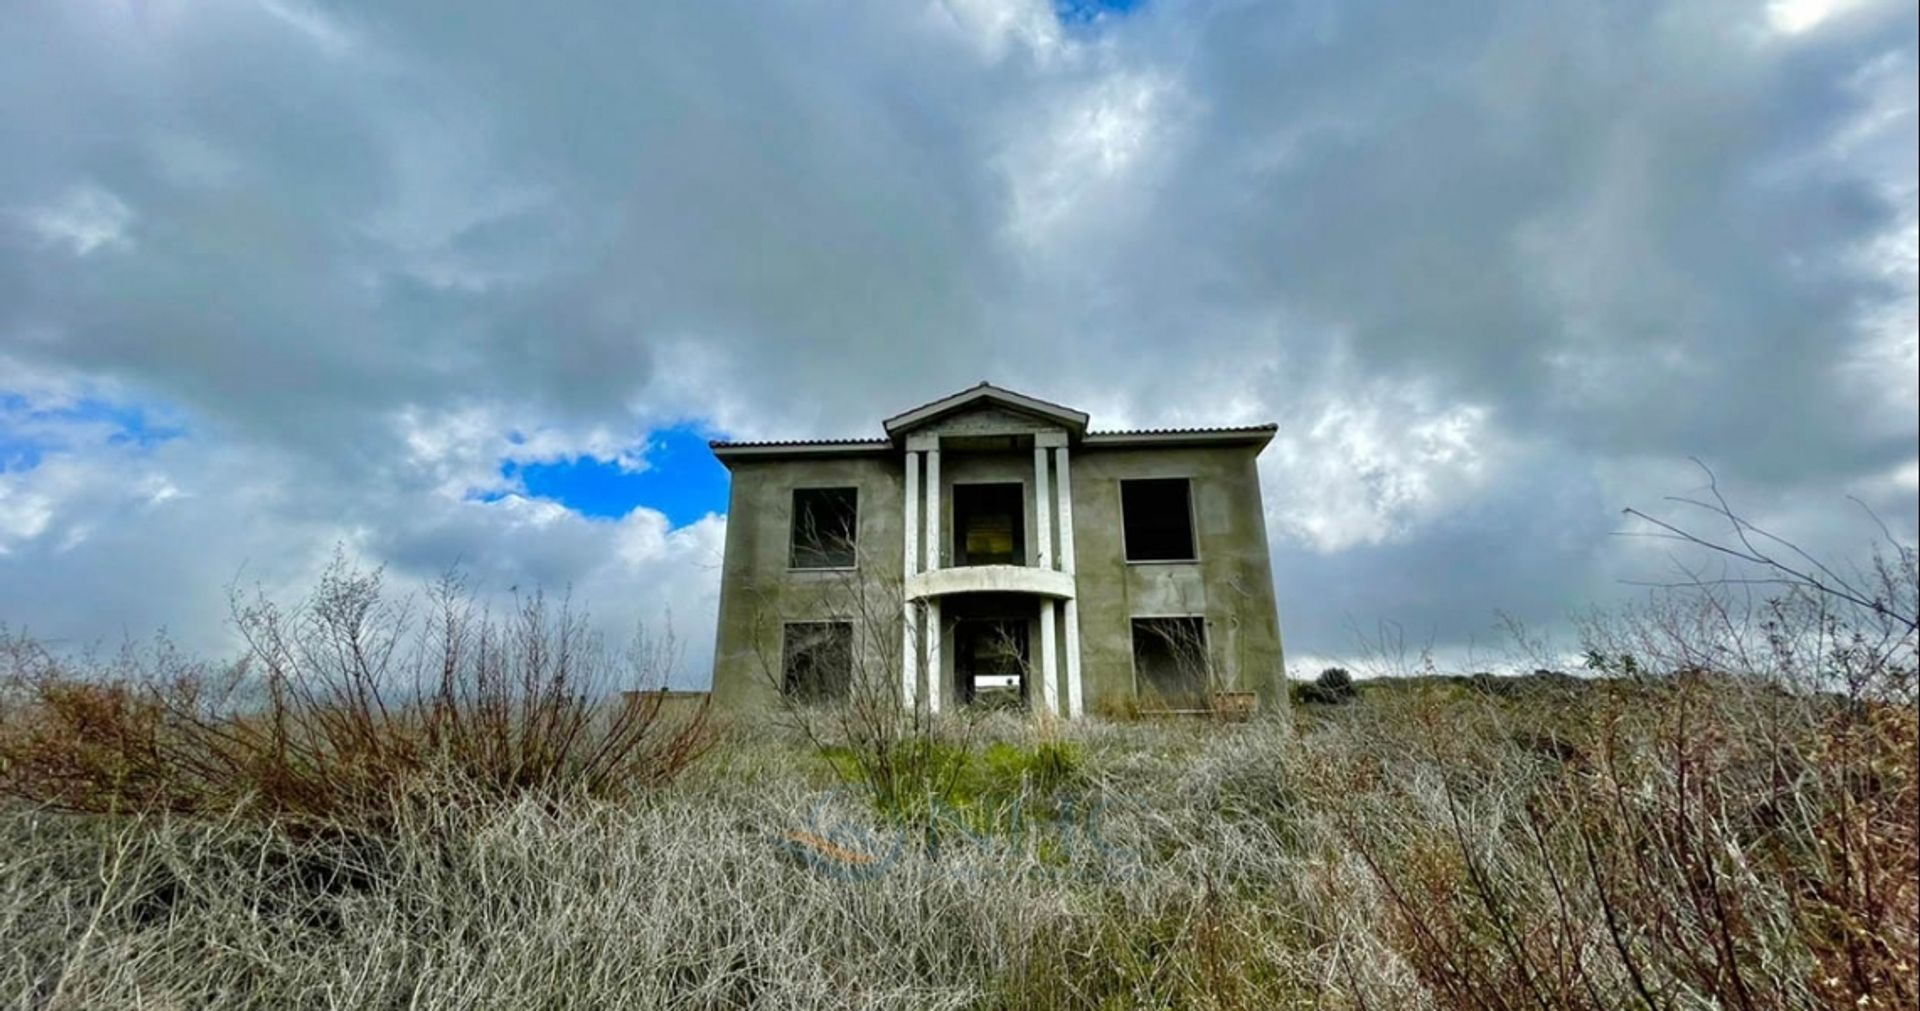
1230, 585
759, 592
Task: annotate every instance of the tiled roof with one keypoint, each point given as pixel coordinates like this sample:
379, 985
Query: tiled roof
1213, 430
1112, 438
1076, 423
1226, 435
1104, 433
783, 443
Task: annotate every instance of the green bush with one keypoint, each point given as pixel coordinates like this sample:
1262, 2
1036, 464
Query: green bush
1333, 687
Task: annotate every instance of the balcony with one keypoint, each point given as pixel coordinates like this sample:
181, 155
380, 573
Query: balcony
1049, 583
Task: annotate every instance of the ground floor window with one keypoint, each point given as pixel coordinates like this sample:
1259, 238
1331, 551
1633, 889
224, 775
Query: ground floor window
1170, 662
816, 660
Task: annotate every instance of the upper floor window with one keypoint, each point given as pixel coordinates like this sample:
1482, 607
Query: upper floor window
1156, 516
989, 524
825, 521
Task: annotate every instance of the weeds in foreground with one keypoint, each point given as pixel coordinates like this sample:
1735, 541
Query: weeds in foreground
980, 787
344, 708
1722, 815
1411, 849
1680, 853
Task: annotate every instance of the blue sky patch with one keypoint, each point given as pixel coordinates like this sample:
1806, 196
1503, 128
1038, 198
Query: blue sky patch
28, 432
682, 480
17, 454
1083, 12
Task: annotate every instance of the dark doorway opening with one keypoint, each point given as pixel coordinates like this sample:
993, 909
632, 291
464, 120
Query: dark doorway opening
989, 524
990, 661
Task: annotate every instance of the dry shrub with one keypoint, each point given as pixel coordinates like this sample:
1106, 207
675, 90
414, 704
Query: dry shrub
1227, 867
1859, 894
1742, 837
343, 707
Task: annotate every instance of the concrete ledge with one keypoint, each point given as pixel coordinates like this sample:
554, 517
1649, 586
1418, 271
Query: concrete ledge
991, 579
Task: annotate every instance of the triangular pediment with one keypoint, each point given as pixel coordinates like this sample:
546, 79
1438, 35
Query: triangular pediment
988, 410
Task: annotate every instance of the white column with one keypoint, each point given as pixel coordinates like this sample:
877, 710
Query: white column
931, 545
934, 675
909, 655
1071, 618
1064, 507
1049, 677
913, 513
909, 626
933, 507
1042, 510
1064, 485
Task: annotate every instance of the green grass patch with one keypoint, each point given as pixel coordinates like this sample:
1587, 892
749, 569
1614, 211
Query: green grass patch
987, 789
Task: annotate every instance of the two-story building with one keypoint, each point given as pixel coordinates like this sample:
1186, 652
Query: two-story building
991, 547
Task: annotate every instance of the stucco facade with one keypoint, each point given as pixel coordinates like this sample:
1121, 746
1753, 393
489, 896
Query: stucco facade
991, 547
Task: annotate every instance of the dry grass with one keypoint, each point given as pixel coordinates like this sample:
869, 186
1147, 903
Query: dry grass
1672, 833
1406, 852
345, 709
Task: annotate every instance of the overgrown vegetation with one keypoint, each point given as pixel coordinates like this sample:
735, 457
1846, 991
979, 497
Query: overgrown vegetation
344, 710
1720, 813
1419, 847
968, 784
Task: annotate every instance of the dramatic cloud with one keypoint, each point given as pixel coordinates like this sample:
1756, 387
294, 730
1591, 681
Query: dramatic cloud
461, 284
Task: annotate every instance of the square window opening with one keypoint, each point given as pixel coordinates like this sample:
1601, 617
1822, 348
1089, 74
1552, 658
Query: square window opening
1170, 662
989, 524
1156, 517
825, 524
816, 660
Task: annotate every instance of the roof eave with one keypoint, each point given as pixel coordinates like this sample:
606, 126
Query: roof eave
1257, 436
726, 452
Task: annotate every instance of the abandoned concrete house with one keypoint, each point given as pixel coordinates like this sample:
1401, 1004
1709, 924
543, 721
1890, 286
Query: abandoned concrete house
990, 549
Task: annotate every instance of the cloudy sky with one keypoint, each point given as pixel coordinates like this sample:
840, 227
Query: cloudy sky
472, 283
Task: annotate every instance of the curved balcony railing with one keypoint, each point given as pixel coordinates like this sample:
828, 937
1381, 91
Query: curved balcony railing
991, 579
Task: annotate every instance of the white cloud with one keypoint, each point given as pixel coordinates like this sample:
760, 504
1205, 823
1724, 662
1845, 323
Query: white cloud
459, 452
25, 513
85, 218
1496, 273
996, 26
1376, 467
1093, 146
313, 24
1791, 17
